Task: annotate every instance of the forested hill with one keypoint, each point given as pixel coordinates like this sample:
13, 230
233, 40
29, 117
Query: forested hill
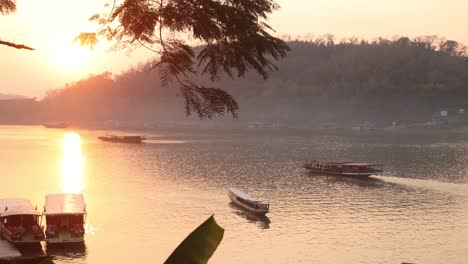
319, 81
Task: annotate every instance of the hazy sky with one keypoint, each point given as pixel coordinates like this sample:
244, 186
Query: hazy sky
50, 26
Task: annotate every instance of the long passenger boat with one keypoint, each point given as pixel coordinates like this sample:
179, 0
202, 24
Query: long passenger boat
248, 203
65, 217
344, 168
56, 125
20, 221
122, 139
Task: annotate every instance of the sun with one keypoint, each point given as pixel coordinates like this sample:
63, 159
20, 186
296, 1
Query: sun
73, 57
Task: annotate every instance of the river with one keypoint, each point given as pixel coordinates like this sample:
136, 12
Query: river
144, 199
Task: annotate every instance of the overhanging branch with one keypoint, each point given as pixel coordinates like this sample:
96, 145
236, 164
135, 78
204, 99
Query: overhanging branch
14, 45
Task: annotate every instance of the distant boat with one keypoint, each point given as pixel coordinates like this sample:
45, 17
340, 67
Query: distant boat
345, 168
123, 139
65, 217
56, 125
20, 221
248, 203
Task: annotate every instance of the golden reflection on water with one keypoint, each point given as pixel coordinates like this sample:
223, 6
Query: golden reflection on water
72, 164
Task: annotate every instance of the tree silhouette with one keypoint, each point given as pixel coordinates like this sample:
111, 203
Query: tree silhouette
7, 6
231, 35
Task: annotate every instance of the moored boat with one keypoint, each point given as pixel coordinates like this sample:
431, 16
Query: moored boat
248, 203
122, 139
65, 218
344, 168
20, 221
56, 125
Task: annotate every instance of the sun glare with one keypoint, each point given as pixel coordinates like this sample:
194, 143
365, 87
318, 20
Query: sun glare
73, 57
72, 164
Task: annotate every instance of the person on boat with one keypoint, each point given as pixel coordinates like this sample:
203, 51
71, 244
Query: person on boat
35, 228
77, 230
37, 231
12, 229
51, 230
20, 230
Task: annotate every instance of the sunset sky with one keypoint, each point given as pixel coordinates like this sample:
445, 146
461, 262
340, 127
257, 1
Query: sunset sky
50, 26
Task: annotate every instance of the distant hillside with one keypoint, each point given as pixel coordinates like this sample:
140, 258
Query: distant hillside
4, 96
320, 81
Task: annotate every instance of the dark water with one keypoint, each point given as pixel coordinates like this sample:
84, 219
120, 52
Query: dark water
142, 200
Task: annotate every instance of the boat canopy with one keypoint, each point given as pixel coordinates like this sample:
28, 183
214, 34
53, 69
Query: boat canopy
16, 206
346, 163
64, 204
362, 164
242, 195
330, 162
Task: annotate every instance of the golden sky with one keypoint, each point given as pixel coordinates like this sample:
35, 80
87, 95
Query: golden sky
50, 26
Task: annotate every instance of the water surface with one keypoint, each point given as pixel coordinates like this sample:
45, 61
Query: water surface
143, 199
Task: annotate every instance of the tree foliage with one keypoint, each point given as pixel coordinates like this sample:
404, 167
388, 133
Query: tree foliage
232, 33
7, 6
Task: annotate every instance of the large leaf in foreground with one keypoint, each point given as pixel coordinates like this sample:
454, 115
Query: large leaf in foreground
199, 246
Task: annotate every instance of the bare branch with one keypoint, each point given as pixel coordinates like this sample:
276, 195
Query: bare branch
14, 45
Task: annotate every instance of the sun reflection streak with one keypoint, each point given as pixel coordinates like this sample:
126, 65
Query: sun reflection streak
72, 164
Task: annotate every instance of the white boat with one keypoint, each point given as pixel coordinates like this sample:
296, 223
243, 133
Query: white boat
65, 217
20, 221
248, 203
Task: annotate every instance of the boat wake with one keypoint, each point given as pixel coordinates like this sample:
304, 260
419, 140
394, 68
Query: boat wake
447, 187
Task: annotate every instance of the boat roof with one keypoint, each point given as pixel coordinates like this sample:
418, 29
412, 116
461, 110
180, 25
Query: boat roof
115, 135
16, 206
348, 163
63, 204
362, 164
331, 161
242, 195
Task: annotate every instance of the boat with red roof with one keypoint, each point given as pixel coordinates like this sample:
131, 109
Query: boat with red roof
344, 168
122, 139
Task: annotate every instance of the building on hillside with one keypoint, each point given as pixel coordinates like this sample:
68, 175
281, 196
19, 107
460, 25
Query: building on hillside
440, 117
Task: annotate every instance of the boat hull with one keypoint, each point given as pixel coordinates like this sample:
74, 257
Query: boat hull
56, 125
245, 207
26, 239
346, 174
27, 242
64, 238
119, 140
